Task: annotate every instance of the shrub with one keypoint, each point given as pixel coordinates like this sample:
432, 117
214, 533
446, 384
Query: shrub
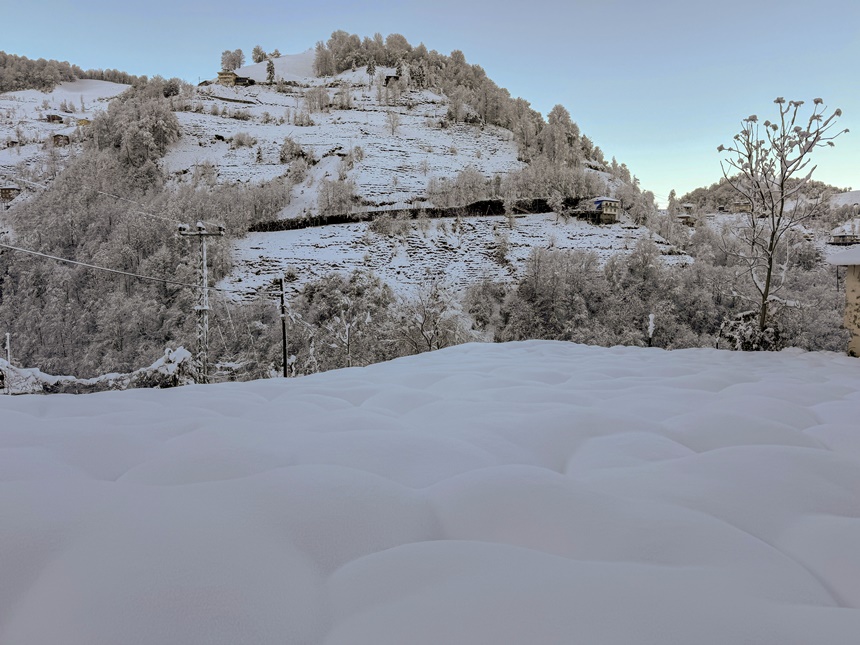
242, 140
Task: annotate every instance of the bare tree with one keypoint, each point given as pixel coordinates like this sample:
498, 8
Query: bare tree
769, 164
392, 120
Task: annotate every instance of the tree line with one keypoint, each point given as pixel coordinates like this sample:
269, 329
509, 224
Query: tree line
22, 73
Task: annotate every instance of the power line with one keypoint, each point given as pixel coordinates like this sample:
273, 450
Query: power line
116, 271
146, 213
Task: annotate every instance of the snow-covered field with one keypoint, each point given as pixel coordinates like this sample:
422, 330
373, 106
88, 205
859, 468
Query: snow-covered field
537, 492
459, 254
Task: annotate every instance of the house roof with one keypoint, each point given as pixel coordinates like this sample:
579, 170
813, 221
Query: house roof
849, 257
606, 199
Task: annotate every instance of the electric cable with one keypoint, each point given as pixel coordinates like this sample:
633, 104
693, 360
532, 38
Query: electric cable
116, 271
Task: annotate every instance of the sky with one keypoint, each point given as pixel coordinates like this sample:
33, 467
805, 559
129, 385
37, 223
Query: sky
658, 85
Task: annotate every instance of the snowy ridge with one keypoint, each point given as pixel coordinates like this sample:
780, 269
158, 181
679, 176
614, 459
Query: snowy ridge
505, 494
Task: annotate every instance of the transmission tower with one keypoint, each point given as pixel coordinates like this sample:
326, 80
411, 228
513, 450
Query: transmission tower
202, 307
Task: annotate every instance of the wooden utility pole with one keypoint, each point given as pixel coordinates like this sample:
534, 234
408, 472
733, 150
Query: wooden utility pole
202, 307
284, 326
8, 376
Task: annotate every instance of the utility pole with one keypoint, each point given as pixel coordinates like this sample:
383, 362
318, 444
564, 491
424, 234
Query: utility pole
284, 326
202, 307
8, 376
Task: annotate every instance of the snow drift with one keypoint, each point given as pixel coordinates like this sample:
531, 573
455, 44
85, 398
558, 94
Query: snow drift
537, 492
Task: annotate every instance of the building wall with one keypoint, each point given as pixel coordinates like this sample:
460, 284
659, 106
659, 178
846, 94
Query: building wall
852, 307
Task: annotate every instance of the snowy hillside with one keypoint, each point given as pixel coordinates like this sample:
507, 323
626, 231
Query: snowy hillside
846, 199
395, 167
459, 253
24, 127
525, 493
396, 146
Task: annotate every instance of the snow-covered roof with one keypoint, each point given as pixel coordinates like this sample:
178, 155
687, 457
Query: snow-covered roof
849, 257
605, 199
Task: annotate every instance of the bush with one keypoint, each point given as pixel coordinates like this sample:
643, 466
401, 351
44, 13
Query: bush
303, 120
242, 140
742, 333
317, 99
290, 150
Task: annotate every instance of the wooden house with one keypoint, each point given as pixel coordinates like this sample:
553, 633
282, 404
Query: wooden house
8, 192
54, 118
847, 233
61, 140
739, 206
391, 78
850, 259
229, 78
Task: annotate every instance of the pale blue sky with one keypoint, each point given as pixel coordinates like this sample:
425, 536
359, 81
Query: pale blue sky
657, 84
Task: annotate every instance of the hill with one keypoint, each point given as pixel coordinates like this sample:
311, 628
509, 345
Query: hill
504, 494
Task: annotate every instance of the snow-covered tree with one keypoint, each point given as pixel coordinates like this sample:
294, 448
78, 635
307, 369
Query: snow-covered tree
392, 121
258, 54
270, 71
672, 206
371, 70
231, 60
769, 167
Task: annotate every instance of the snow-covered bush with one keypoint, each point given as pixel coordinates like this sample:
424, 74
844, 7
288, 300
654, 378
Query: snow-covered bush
742, 333
242, 140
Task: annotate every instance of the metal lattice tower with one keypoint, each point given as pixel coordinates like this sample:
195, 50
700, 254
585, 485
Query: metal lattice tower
202, 307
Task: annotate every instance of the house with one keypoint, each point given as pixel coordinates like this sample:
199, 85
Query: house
688, 208
61, 140
54, 118
850, 259
391, 78
8, 192
847, 233
739, 206
230, 78
607, 209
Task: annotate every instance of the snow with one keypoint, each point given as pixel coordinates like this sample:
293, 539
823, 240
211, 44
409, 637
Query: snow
460, 257
23, 116
290, 67
851, 227
845, 199
532, 492
395, 168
